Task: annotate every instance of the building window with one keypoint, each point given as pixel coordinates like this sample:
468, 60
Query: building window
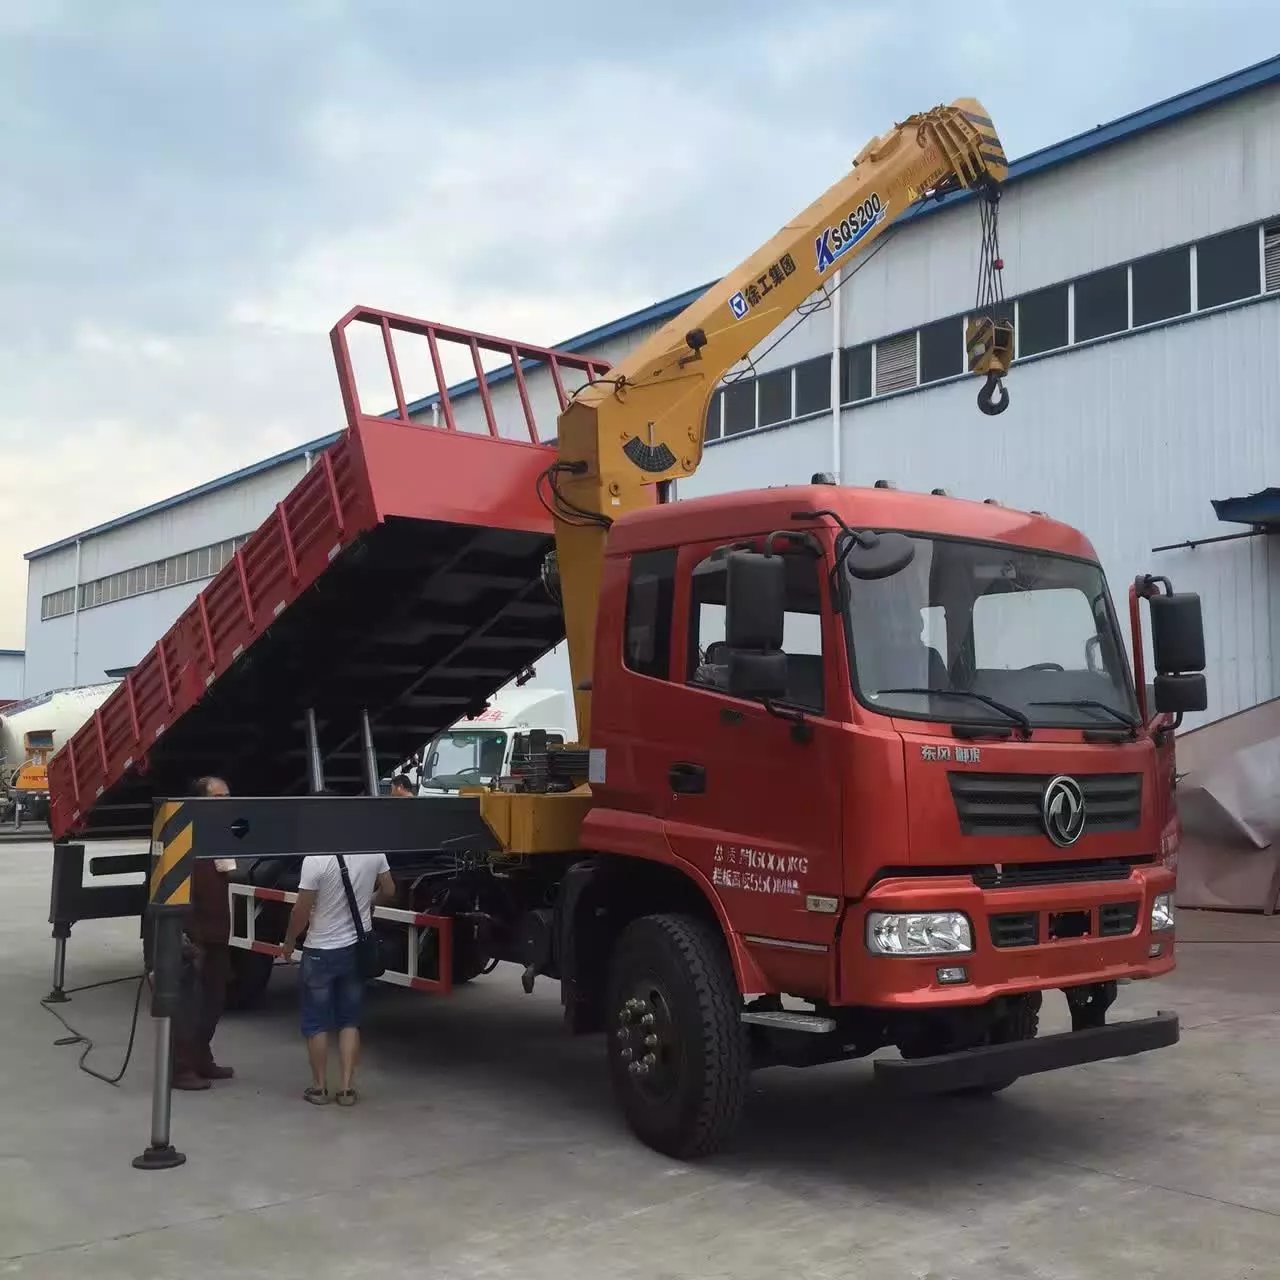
650, 594
813, 386
203, 562
714, 411
58, 604
941, 350
1042, 320
896, 363
1227, 268
1234, 266
740, 406
775, 397
855, 374
1161, 287
1102, 303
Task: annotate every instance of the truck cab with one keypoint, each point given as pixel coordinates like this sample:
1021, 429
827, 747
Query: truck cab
895, 740
477, 750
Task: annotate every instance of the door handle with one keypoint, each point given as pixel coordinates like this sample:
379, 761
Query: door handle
686, 778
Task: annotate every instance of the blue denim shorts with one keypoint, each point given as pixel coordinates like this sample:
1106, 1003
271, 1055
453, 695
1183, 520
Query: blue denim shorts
332, 990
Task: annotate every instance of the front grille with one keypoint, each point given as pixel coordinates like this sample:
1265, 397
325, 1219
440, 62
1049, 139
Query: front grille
1117, 918
1016, 929
1023, 875
1008, 804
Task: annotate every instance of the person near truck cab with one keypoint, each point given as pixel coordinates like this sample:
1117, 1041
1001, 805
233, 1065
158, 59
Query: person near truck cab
402, 787
207, 965
331, 988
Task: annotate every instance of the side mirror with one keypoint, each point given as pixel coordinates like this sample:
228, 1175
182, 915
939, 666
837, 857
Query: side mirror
1177, 634
872, 556
1179, 694
757, 675
754, 600
755, 608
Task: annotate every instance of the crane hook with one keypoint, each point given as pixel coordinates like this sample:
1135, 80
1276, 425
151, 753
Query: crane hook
994, 396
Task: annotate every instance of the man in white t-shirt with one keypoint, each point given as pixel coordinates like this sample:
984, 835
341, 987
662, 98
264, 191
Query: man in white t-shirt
332, 990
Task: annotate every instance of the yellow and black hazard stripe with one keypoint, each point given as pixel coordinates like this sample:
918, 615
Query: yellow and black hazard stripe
989, 147
171, 855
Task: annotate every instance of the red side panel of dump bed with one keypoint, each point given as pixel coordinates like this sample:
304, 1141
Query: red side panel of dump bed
400, 576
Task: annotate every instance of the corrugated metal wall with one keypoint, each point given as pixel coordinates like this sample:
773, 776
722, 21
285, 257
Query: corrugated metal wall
1126, 440
118, 634
10, 675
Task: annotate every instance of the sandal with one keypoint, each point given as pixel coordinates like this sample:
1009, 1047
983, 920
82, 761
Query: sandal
345, 1097
318, 1097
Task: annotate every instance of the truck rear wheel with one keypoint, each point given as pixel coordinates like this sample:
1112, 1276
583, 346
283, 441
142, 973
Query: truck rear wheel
678, 1052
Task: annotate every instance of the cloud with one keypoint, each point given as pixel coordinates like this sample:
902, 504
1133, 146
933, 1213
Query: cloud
194, 194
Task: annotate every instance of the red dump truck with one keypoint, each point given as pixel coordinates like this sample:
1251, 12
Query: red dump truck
858, 768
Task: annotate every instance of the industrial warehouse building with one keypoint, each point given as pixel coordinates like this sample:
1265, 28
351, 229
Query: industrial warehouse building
12, 663
1142, 260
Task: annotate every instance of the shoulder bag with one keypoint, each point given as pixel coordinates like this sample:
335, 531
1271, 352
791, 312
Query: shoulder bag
369, 962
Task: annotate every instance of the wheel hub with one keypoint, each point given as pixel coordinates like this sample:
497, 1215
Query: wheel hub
646, 1041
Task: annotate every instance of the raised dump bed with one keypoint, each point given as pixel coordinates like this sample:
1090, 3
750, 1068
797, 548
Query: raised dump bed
402, 575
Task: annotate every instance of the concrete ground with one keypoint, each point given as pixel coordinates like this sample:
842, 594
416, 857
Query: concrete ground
487, 1145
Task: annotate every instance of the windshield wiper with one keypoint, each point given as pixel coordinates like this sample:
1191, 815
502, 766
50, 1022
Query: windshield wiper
1019, 718
1092, 703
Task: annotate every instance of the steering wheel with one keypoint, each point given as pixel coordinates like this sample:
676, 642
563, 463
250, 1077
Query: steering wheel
1045, 666
473, 768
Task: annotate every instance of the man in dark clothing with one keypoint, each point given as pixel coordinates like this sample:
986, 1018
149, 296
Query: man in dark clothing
207, 966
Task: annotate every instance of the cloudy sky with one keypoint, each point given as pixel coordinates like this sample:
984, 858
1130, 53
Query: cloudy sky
193, 193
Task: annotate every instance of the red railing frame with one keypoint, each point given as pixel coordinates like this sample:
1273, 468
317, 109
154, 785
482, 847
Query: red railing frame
518, 353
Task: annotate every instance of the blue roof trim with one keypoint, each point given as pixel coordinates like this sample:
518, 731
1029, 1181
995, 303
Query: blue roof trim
1261, 508
210, 486
1168, 111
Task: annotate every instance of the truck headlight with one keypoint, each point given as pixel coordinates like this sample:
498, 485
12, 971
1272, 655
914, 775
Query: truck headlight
1162, 912
926, 933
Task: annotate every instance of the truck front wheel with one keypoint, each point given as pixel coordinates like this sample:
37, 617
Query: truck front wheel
1020, 1021
678, 1052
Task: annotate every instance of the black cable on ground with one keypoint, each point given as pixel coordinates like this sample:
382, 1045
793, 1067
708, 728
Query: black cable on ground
77, 1037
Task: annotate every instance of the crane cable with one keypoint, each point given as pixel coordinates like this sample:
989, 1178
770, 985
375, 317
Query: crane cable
989, 300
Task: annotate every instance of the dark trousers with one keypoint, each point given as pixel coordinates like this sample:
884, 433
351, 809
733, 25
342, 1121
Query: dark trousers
204, 993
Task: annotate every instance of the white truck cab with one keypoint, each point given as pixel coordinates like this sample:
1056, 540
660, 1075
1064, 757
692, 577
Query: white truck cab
476, 752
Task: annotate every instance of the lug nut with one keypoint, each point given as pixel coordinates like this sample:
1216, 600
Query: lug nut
651, 1042
648, 1020
627, 1055
650, 1061
635, 1068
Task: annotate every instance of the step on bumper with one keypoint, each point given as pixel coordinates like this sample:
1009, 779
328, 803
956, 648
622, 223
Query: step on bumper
998, 1063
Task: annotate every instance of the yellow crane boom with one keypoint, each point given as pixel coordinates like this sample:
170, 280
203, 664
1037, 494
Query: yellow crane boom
642, 425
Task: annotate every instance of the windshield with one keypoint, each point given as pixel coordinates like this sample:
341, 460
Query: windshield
464, 759
977, 632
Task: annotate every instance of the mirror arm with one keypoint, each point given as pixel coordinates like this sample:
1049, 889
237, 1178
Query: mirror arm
801, 729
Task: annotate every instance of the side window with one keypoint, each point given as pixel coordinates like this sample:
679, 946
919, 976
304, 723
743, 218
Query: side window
650, 592
1015, 629
801, 632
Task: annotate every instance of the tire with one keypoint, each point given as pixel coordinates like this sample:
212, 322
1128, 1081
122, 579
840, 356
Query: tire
248, 979
1022, 1022
675, 970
